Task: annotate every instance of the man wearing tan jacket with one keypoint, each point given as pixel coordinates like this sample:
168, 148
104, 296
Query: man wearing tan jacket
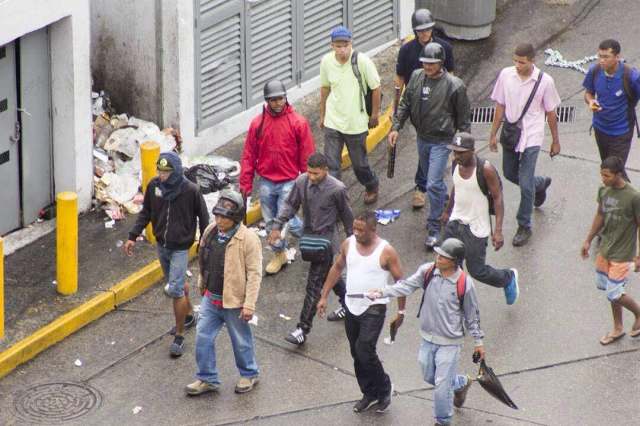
230, 260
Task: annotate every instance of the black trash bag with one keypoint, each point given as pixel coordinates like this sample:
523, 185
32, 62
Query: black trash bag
206, 177
489, 382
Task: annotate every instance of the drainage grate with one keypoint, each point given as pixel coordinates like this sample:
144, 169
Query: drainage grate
566, 114
484, 115
56, 402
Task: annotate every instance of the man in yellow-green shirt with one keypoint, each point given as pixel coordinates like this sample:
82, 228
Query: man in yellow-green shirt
343, 113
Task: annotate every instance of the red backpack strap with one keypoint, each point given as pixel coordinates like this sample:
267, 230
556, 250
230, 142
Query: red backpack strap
461, 287
428, 276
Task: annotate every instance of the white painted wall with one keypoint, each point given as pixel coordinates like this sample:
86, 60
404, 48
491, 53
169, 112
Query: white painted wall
406, 9
70, 85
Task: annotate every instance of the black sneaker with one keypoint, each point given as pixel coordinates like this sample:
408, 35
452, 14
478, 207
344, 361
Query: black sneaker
177, 347
364, 404
522, 236
189, 322
296, 337
430, 242
383, 403
337, 315
541, 195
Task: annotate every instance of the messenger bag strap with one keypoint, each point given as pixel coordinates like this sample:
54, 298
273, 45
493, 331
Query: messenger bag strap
533, 93
305, 207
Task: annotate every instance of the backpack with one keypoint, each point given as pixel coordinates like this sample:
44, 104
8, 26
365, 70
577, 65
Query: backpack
632, 98
367, 94
482, 182
461, 286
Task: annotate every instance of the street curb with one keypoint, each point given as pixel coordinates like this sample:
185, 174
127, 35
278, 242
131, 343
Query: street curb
129, 288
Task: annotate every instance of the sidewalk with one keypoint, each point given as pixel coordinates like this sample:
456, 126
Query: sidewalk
30, 295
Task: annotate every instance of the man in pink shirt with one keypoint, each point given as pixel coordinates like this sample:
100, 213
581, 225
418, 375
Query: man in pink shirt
511, 92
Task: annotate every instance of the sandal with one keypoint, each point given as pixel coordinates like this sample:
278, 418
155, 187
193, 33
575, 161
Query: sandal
609, 338
635, 333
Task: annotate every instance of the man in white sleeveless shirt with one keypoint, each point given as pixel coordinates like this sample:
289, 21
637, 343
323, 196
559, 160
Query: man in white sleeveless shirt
371, 263
468, 219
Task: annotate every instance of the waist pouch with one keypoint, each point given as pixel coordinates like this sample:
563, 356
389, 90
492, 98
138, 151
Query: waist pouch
315, 248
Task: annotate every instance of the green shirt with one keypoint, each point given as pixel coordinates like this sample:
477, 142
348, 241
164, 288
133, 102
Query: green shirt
621, 210
345, 112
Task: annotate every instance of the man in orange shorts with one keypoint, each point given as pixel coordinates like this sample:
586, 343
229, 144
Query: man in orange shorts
617, 219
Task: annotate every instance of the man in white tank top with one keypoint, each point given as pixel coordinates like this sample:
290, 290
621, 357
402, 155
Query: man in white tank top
371, 263
468, 219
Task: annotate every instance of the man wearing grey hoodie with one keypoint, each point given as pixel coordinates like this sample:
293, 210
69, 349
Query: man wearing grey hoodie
449, 299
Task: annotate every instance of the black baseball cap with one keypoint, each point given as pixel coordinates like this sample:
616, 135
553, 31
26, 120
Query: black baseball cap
463, 141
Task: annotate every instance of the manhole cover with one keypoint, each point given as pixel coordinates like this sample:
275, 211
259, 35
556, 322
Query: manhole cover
56, 402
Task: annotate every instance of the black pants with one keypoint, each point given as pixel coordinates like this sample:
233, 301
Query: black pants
356, 146
618, 146
363, 332
315, 280
475, 255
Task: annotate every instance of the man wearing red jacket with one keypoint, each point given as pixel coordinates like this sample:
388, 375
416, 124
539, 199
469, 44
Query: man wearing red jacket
277, 147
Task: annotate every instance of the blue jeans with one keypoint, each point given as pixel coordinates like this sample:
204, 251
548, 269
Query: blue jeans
174, 266
520, 168
439, 366
432, 165
272, 200
210, 322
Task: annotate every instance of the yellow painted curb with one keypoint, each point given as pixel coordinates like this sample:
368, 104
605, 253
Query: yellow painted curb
55, 331
254, 214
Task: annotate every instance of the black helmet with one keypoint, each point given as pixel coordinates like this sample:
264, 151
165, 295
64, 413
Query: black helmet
432, 53
422, 19
236, 214
274, 89
451, 248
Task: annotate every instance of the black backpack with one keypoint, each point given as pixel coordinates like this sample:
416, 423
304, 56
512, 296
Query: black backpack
482, 182
367, 94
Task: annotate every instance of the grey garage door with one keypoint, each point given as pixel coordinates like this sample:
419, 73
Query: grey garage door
239, 45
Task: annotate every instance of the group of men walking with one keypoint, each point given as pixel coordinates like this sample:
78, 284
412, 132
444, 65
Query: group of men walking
291, 176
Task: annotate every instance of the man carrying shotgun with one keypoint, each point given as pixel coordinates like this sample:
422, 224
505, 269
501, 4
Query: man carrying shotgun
371, 263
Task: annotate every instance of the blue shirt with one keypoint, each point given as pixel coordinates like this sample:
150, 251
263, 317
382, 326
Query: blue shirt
409, 57
609, 91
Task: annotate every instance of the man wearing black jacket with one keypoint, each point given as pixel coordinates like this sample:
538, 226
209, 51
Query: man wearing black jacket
172, 204
438, 106
424, 30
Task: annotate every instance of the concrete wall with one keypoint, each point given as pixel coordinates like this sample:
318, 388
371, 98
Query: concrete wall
125, 60
70, 83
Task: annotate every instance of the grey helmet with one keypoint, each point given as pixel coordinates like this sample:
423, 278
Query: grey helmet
422, 19
236, 214
451, 248
274, 89
432, 53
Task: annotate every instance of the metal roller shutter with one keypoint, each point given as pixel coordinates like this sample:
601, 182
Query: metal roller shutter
373, 22
271, 45
219, 65
320, 16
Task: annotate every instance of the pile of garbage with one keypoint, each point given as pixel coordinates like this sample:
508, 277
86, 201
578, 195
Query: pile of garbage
117, 167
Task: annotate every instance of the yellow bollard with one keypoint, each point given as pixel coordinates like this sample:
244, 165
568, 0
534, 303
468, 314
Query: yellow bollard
67, 242
149, 154
1, 289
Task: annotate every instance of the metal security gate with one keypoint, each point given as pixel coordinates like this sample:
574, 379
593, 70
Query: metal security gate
239, 45
9, 138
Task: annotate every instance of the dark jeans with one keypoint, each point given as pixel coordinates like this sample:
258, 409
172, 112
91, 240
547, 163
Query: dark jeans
618, 146
475, 255
520, 168
315, 280
363, 332
333, 143
432, 167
